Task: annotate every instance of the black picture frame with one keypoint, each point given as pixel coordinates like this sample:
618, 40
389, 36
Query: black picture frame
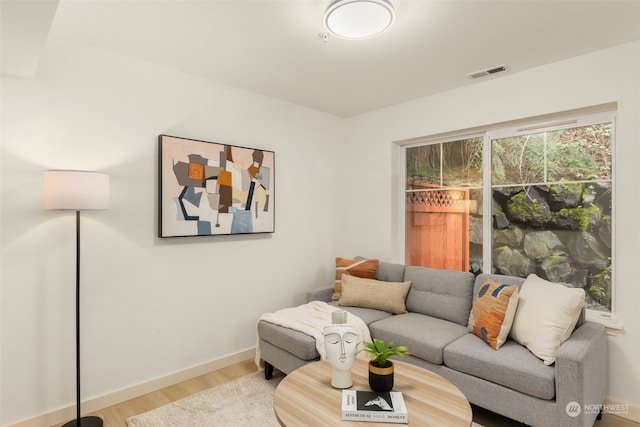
208, 189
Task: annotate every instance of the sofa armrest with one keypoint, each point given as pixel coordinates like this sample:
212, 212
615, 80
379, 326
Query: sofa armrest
582, 371
322, 294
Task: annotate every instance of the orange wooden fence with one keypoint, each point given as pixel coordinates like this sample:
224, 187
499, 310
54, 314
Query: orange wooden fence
437, 227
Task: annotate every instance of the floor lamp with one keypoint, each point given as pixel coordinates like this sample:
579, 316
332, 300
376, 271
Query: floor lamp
77, 190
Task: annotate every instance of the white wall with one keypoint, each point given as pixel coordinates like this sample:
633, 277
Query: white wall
150, 306
605, 76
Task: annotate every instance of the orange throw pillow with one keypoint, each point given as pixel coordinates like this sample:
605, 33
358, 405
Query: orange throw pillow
365, 268
493, 311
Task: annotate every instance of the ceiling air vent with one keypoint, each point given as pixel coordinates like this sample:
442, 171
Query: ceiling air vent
487, 72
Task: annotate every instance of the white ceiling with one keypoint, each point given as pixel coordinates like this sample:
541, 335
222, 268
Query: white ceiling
274, 47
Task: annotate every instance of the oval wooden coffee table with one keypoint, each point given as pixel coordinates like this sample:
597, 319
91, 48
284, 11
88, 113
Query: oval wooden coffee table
305, 397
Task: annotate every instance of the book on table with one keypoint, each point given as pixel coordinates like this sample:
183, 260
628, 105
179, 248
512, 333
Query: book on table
382, 407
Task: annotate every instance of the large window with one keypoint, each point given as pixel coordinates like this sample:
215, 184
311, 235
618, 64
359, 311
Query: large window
530, 199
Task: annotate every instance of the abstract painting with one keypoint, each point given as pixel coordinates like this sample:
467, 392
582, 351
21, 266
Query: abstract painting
214, 189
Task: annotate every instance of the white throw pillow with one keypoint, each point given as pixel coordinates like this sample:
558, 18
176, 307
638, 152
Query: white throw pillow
546, 316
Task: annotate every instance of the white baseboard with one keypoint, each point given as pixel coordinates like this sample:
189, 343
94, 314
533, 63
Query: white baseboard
68, 413
621, 409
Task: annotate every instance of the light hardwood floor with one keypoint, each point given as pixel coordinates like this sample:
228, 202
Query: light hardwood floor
115, 416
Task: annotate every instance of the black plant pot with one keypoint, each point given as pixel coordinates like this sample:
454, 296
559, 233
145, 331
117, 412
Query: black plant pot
381, 379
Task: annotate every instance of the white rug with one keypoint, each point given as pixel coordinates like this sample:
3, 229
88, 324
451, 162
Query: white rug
247, 401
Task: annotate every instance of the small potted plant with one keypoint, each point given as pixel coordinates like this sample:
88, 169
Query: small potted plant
380, 367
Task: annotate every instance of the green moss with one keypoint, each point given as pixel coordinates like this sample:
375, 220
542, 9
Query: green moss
564, 190
523, 209
515, 205
600, 289
582, 216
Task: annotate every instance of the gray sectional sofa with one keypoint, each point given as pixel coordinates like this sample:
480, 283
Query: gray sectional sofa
510, 381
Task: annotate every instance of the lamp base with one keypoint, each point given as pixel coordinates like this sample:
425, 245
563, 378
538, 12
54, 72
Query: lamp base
85, 422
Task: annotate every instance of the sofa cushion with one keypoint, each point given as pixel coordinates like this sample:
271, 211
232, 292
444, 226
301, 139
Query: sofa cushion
367, 315
546, 316
513, 366
359, 267
494, 307
390, 272
298, 343
425, 336
376, 294
445, 294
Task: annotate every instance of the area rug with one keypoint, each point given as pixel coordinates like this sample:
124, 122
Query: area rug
247, 401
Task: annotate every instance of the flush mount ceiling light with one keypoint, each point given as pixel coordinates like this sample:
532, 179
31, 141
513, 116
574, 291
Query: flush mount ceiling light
359, 19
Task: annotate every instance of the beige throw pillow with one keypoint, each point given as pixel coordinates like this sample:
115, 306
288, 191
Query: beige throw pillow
370, 293
546, 316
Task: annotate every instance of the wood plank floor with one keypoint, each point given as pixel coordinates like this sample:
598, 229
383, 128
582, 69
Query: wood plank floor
115, 416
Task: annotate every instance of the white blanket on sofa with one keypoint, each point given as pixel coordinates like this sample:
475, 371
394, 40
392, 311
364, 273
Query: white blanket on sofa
310, 318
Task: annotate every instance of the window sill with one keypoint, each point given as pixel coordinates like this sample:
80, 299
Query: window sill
610, 321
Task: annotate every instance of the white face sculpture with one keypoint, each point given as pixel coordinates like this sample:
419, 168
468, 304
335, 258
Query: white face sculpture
340, 343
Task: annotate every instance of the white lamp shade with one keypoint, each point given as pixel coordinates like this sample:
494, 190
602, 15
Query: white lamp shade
75, 190
359, 19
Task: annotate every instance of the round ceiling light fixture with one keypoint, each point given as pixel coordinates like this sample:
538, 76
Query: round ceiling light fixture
359, 19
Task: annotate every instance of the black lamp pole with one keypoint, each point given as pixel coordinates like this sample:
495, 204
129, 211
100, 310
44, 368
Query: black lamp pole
80, 421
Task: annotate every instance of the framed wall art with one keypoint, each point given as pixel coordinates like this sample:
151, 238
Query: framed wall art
214, 189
